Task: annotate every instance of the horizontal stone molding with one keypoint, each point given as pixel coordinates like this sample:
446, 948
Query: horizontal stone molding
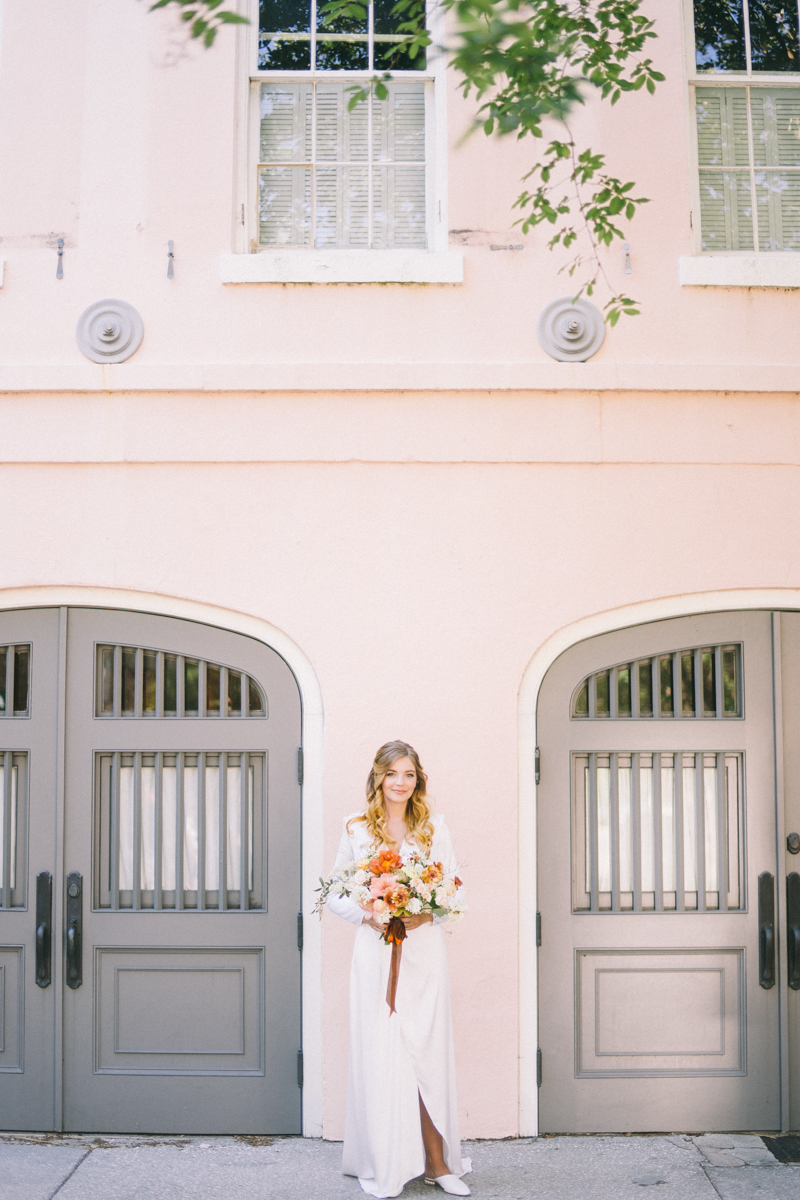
741, 270
393, 376
342, 266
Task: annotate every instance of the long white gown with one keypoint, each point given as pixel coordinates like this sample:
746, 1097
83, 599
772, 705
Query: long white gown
395, 1059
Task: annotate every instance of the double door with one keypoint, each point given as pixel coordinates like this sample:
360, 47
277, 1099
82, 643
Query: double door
669, 887
149, 877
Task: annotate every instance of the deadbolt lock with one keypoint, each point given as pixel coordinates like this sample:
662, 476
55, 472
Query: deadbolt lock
793, 843
74, 890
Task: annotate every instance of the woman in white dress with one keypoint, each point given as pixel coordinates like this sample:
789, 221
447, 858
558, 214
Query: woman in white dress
402, 1112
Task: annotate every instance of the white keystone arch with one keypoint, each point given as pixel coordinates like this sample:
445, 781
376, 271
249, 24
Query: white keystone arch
313, 718
662, 609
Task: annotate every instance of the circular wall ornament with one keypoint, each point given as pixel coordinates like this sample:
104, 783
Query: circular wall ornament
109, 331
571, 330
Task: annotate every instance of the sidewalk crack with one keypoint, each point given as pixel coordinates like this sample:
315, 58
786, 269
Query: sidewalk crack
67, 1178
711, 1181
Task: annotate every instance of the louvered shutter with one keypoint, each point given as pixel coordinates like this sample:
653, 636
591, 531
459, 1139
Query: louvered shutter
726, 209
398, 138
342, 191
284, 199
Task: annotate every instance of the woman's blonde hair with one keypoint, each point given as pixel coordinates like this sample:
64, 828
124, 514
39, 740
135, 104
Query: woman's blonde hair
419, 826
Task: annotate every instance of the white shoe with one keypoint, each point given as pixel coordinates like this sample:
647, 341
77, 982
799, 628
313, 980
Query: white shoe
450, 1184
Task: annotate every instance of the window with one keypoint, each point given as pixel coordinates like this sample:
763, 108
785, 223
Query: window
330, 176
698, 682
747, 99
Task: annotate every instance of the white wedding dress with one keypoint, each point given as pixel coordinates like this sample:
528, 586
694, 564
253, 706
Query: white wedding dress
395, 1059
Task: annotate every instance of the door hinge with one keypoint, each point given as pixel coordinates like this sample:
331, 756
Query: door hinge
299, 931
536, 772
538, 929
299, 1068
300, 765
539, 1067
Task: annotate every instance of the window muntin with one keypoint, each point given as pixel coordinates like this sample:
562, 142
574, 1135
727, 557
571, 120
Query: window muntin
293, 35
698, 682
748, 129
133, 681
655, 832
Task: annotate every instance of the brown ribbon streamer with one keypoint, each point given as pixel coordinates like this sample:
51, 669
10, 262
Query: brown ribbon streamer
395, 935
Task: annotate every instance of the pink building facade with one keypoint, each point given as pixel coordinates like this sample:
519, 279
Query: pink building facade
341, 437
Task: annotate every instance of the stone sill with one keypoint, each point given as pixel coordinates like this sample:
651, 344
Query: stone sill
740, 270
342, 266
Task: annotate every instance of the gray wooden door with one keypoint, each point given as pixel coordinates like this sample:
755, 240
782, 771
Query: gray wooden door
657, 822
155, 776
29, 687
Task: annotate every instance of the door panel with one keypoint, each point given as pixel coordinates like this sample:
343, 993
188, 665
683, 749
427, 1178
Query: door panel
788, 888
650, 797
28, 778
188, 1018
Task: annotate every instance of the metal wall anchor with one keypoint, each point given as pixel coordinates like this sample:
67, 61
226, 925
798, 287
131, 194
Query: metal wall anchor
170, 262
60, 267
627, 251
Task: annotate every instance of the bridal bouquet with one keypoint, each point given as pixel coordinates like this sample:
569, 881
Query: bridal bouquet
388, 888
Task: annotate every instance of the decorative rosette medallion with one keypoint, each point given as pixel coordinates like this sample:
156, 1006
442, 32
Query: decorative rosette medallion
109, 331
571, 330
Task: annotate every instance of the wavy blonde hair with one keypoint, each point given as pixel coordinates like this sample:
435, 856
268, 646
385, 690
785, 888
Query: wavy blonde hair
419, 825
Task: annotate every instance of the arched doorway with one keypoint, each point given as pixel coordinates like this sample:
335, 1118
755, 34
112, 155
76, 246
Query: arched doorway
669, 785
150, 875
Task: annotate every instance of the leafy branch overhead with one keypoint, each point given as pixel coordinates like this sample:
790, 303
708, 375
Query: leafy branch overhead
204, 17
528, 64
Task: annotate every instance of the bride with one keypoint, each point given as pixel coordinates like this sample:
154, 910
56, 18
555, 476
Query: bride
402, 1113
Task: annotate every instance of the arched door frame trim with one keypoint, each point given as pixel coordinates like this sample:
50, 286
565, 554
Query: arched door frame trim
688, 604
313, 720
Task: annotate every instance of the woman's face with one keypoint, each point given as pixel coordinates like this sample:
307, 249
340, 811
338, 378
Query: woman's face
399, 781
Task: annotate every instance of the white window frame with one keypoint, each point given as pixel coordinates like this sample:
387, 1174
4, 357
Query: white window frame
728, 268
252, 263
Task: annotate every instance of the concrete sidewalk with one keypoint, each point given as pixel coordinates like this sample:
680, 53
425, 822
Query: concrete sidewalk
674, 1167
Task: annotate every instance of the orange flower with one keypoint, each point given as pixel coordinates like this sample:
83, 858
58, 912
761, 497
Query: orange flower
458, 882
396, 898
384, 862
433, 873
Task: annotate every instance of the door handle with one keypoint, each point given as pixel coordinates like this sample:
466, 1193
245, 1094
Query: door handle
44, 910
74, 930
793, 929
766, 930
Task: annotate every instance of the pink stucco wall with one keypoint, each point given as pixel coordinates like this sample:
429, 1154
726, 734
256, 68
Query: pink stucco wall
418, 528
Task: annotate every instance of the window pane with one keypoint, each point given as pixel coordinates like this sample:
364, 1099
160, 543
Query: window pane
107, 679
341, 132
343, 207
645, 689
128, 681
730, 681
284, 206
284, 54
719, 35
624, 691
709, 683
773, 35
726, 211
22, 658
342, 53
234, 693
387, 54
687, 684
722, 127
602, 694
255, 698
399, 208
170, 683
665, 675
212, 689
778, 199
786, 108
3, 670
191, 685
149, 682
285, 123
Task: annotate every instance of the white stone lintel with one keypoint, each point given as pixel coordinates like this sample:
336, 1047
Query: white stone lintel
741, 270
342, 266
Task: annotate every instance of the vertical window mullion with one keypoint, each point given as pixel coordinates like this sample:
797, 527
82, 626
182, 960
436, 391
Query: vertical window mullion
747, 50
313, 153
751, 159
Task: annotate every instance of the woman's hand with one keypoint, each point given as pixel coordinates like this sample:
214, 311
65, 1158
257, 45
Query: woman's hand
373, 924
414, 922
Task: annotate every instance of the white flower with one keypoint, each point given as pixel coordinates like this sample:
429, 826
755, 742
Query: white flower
360, 877
414, 905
